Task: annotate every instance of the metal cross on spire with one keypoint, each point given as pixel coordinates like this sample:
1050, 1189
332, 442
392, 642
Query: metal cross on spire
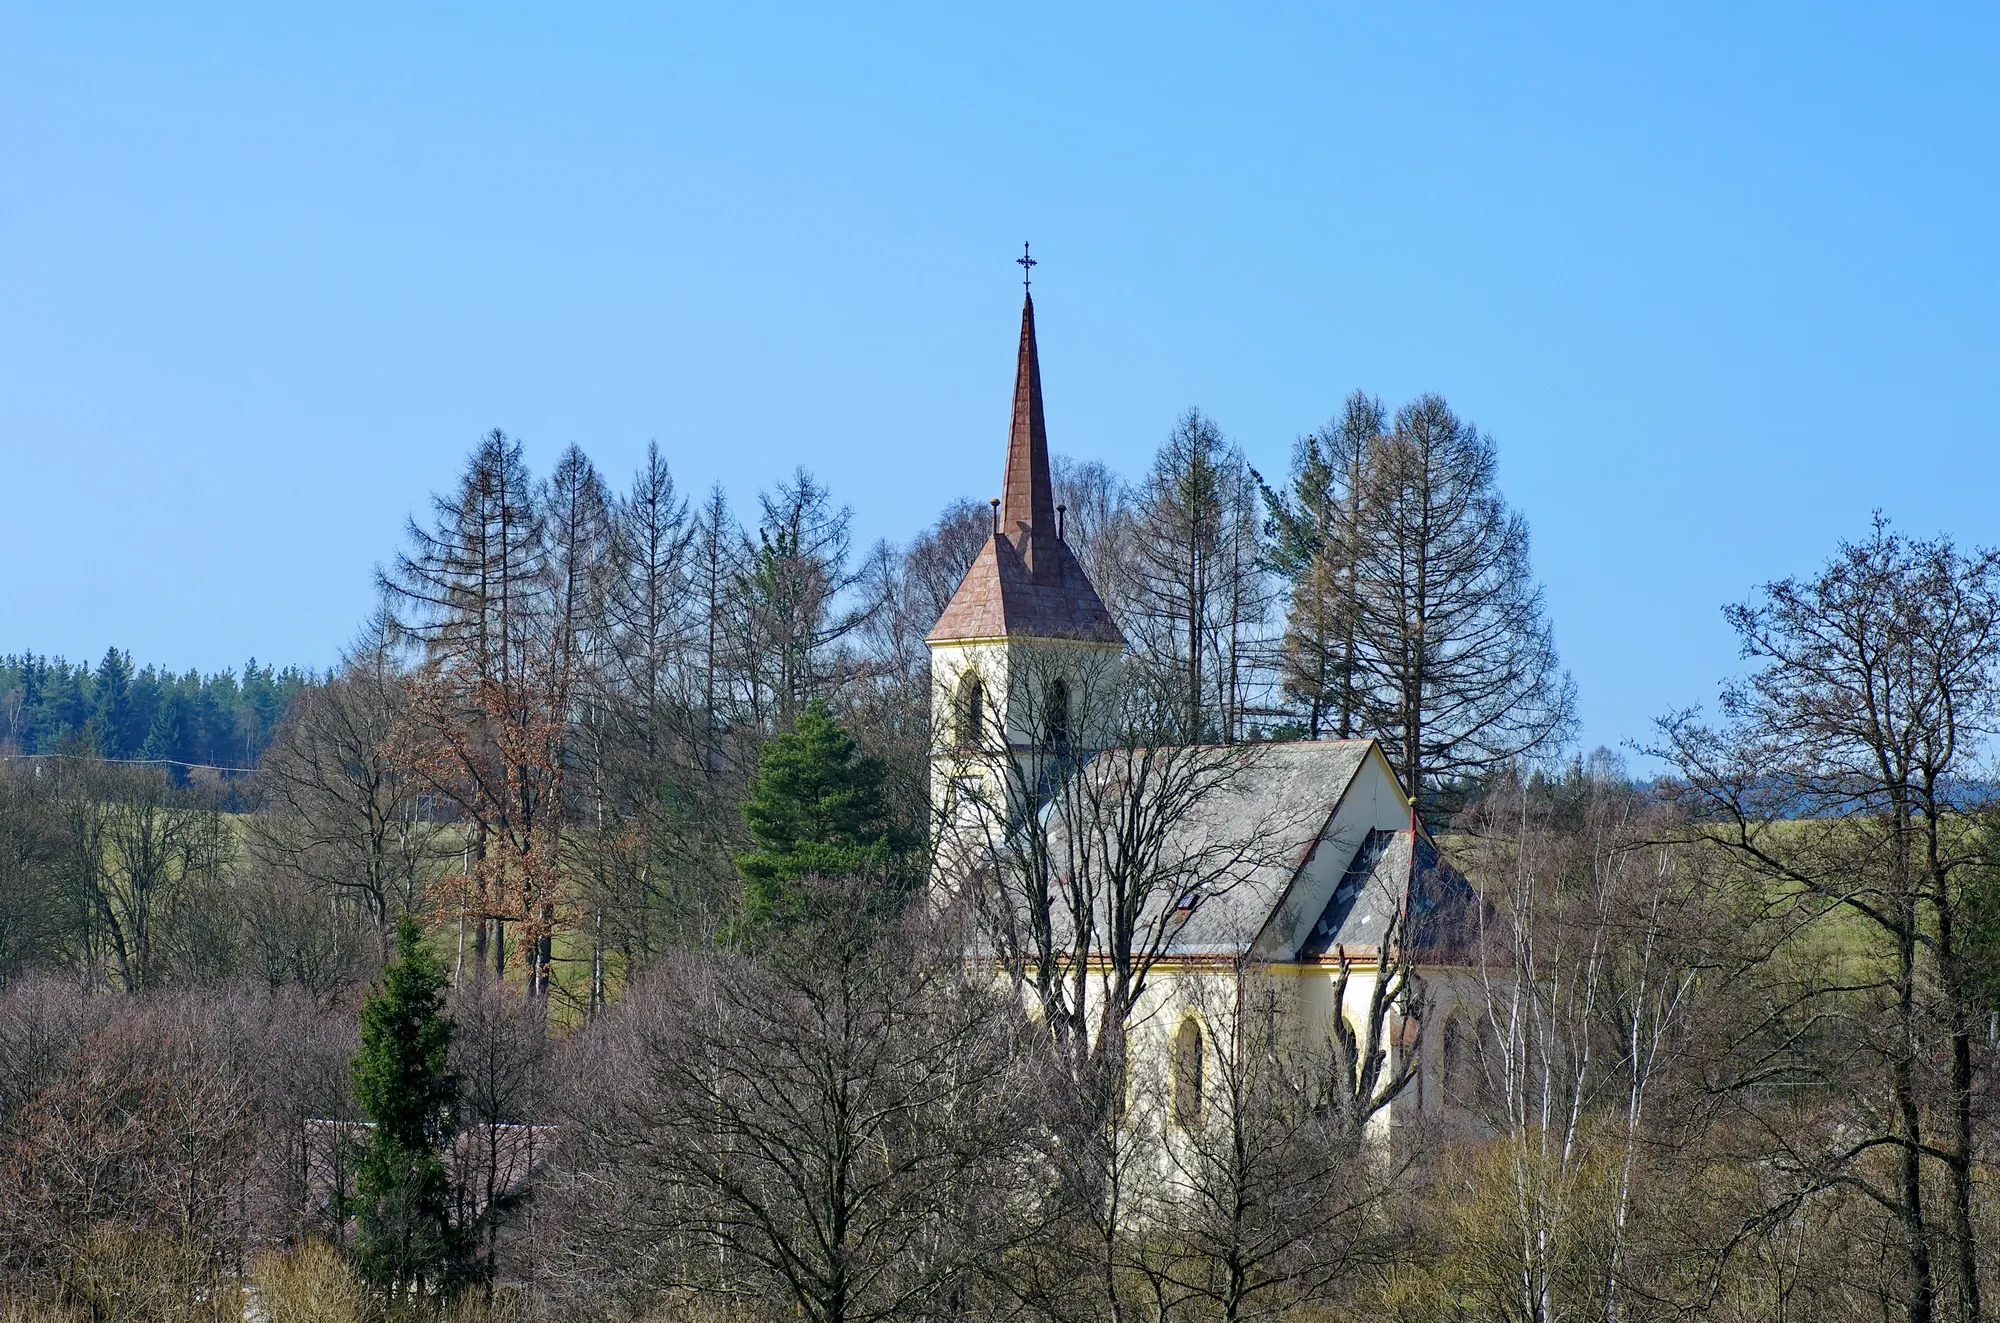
1027, 265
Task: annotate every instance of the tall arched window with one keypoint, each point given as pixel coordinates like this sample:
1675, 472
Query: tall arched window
971, 714
1458, 1062
1055, 727
1186, 1067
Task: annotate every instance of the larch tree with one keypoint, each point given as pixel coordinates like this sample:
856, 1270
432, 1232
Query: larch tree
796, 587
567, 666
1199, 596
1449, 622
485, 731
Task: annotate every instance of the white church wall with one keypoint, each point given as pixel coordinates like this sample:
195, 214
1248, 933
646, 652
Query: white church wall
973, 781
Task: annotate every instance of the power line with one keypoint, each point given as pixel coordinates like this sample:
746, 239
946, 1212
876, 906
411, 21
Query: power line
133, 762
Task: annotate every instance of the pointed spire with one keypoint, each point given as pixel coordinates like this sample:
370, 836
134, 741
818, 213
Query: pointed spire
1028, 503
1024, 583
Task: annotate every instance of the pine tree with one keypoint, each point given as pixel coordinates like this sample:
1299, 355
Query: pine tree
816, 809
407, 1244
1315, 546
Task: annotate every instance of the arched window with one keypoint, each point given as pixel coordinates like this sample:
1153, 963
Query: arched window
1187, 1067
971, 712
1489, 1065
1459, 1062
1056, 719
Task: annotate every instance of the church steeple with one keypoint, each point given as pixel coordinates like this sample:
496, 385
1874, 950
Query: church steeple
1027, 500
1025, 583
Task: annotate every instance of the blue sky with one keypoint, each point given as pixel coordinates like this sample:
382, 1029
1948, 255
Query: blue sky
1720, 279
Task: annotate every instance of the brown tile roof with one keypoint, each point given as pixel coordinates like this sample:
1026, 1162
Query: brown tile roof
1025, 583
1000, 598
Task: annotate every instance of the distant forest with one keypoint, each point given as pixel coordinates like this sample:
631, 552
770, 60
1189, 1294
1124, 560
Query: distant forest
49, 705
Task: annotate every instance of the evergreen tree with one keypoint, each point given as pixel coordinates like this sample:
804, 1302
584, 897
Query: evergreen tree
172, 733
112, 721
1315, 530
407, 1244
816, 808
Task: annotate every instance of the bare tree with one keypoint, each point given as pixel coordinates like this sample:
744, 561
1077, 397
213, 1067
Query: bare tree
136, 848
798, 592
1844, 780
499, 1054
473, 591
1199, 600
342, 809
1450, 625
569, 667
292, 936
840, 1132
1096, 510
936, 561
1084, 861
125, 1173
648, 611
34, 917
1608, 943
1274, 1185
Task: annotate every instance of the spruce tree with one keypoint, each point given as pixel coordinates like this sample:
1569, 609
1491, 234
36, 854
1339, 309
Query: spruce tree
112, 721
816, 809
407, 1243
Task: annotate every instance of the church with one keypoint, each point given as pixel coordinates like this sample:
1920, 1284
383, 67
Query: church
1153, 878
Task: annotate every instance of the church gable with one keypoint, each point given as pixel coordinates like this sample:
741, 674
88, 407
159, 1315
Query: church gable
1370, 808
1270, 844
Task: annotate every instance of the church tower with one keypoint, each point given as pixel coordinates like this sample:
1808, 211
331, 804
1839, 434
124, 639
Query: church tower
1022, 659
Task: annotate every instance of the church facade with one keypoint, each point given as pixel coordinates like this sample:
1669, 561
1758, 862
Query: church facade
1167, 878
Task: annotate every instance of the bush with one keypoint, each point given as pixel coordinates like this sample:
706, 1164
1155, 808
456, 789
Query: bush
310, 1284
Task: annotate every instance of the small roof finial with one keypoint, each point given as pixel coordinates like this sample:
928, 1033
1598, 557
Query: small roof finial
1027, 265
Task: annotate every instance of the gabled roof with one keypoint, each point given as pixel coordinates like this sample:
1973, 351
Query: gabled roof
1269, 824
1250, 844
1025, 582
1233, 845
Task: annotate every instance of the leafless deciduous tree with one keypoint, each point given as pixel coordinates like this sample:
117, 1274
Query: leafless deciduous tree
1844, 782
125, 1170
841, 1131
342, 810
1449, 622
139, 852
34, 911
1080, 860
499, 1055
1273, 1194
1607, 941
1097, 516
